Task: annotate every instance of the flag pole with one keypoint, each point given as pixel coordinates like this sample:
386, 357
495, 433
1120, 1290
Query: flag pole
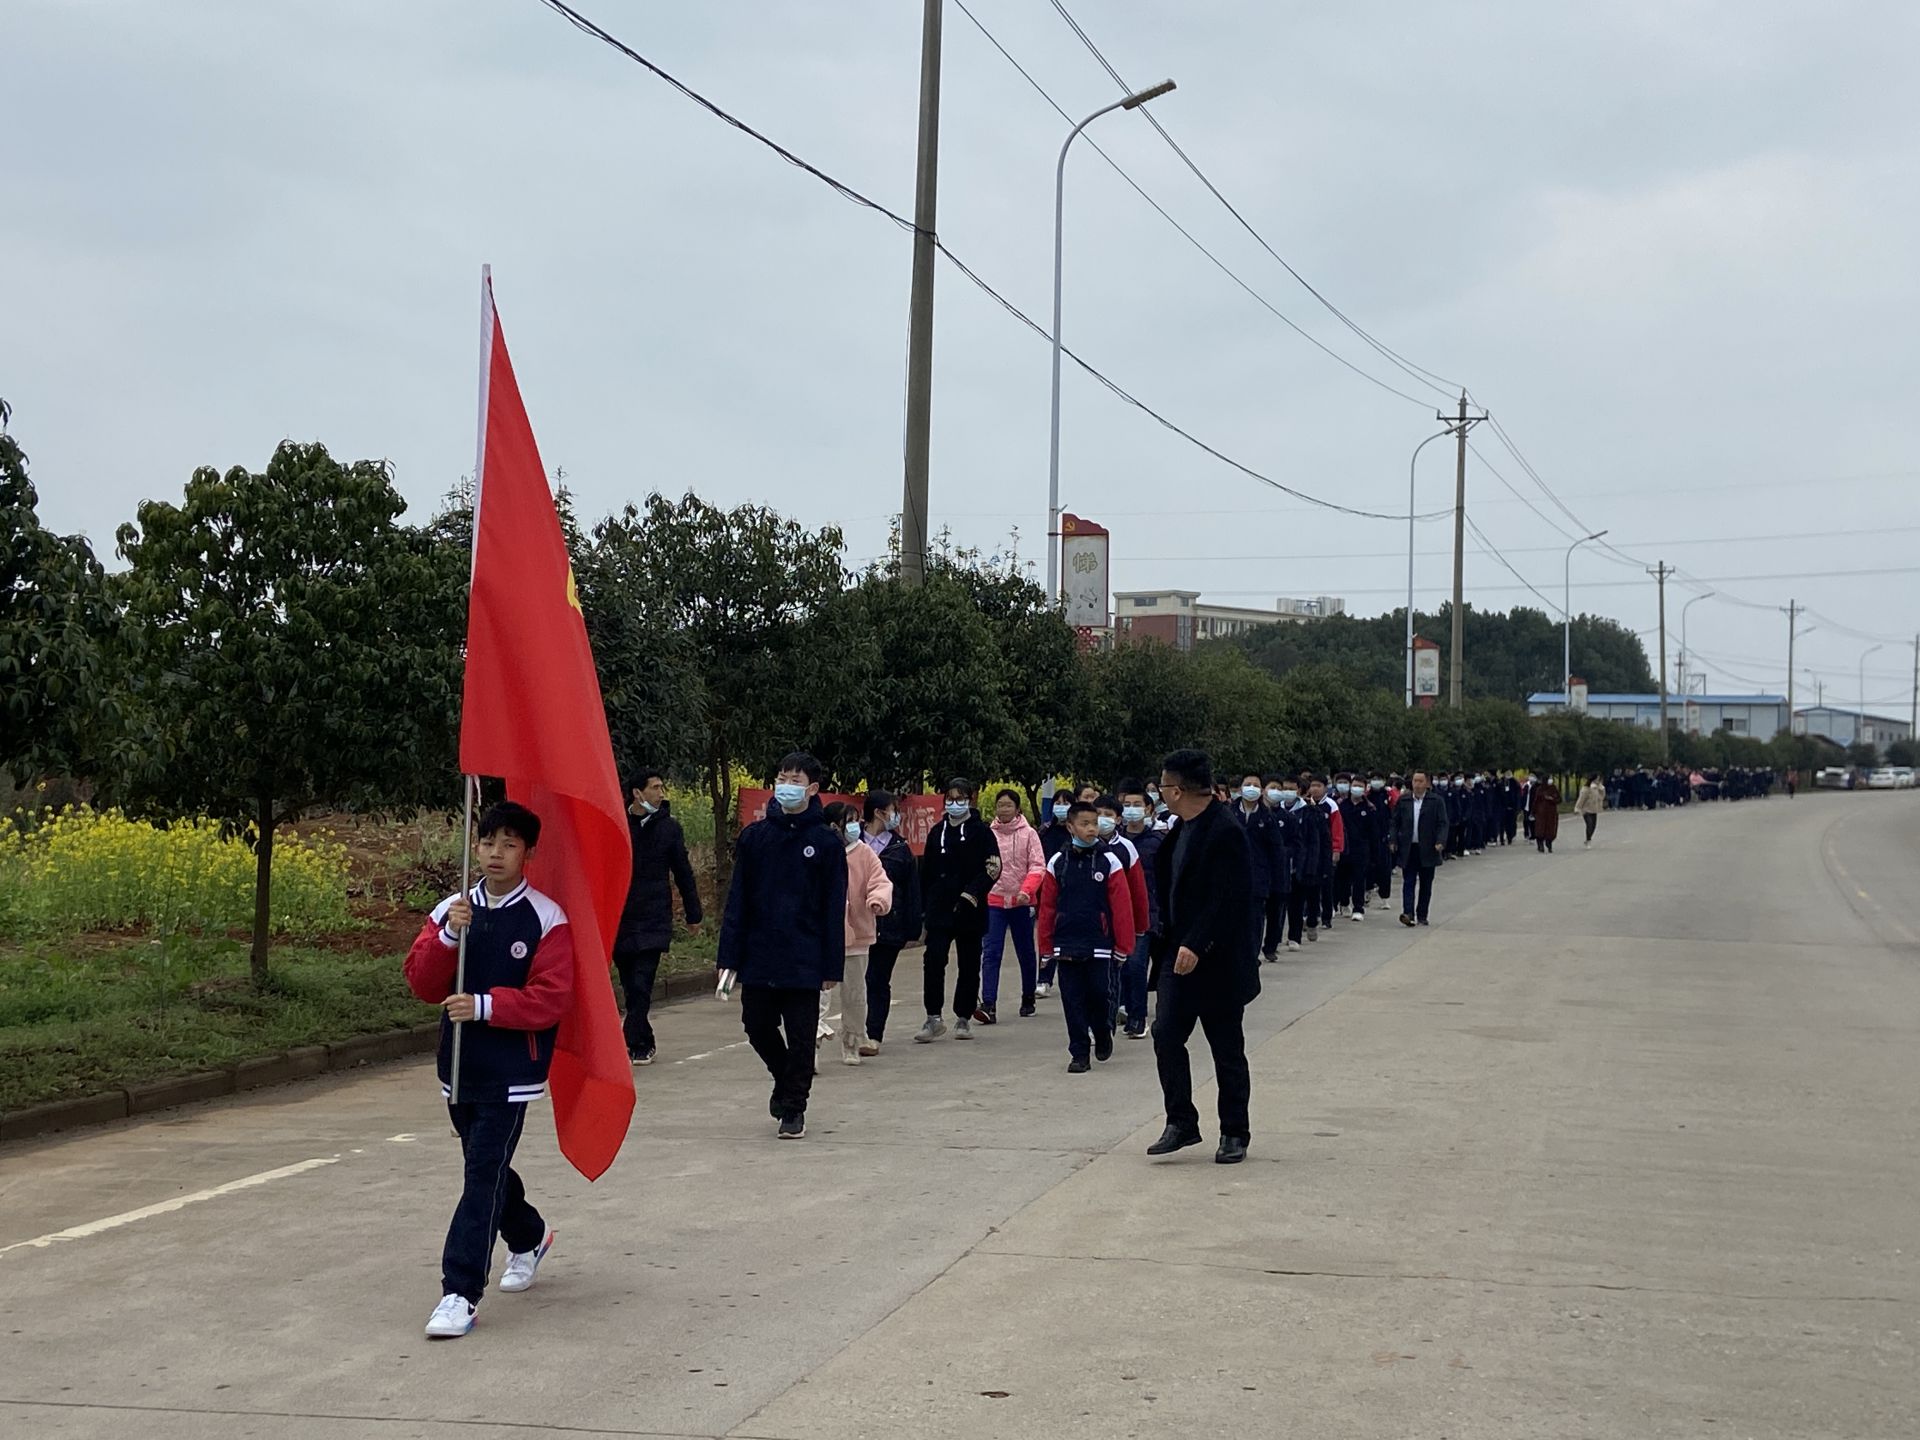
470, 783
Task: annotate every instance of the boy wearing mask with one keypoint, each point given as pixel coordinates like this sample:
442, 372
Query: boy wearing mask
1107, 810
1250, 808
958, 866
1318, 797
1138, 828
1086, 913
1313, 858
1280, 800
900, 926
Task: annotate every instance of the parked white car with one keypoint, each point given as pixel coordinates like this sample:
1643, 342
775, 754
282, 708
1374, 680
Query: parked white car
1883, 779
1903, 774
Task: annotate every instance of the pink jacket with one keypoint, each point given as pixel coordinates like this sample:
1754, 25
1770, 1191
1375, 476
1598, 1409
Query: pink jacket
869, 896
1023, 863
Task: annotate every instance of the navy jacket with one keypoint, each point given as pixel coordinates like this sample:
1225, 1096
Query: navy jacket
519, 971
659, 854
1316, 843
1204, 907
1288, 827
1086, 905
1147, 843
901, 925
1264, 847
1054, 837
786, 920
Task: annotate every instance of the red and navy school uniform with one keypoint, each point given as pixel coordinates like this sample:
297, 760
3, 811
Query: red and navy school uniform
1086, 918
520, 972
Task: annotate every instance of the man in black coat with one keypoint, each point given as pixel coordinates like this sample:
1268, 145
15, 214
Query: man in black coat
646, 921
1420, 829
1205, 956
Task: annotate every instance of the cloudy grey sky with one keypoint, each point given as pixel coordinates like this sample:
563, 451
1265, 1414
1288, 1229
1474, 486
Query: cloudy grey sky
1670, 243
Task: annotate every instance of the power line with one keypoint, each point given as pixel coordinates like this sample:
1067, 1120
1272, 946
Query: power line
1488, 547
1418, 373
847, 192
1598, 584
1164, 215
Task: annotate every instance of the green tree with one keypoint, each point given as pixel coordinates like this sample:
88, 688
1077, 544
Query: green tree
1143, 702
1904, 752
56, 710
291, 644
740, 587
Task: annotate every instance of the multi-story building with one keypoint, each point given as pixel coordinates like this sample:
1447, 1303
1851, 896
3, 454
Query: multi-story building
1179, 618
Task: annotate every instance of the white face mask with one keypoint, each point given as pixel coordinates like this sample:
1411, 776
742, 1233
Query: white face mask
1134, 814
853, 832
1249, 792
1276, 795
1105, 824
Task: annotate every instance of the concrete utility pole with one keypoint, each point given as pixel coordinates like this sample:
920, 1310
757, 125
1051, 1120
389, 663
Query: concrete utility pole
1660, 573
1462, 423
913, 509
1793, 623
1913, 716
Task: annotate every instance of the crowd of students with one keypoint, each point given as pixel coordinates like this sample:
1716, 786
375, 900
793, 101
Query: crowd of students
825, 897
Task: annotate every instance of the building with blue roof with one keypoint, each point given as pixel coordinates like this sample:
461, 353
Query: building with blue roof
1759, 716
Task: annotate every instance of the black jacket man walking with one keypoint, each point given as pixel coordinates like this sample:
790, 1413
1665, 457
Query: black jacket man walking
1205, 956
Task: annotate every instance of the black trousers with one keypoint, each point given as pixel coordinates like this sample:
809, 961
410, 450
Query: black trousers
1324, 900
880, 958
1183, 1004
1261, 909
1358, 874
1383, 874
965, 945
1411, 878
1276, 927
1592, 820
1084, 999
493, 1202
1297, 899
637, 971
767, 1010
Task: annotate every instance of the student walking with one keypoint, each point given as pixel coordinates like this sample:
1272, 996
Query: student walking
646, 921
869, 896
1591, 800
958, 866
1010, 907
1086, 917
784, 932
900, 926
519, 982
1138, 829
1264, 845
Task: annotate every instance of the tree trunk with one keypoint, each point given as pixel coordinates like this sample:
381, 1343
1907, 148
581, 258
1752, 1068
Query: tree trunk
262, 893
719, 778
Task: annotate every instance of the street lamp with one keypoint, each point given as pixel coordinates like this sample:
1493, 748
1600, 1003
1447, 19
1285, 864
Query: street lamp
1861, 720
1684, 652
1410, 464
1566, 616
1131, 102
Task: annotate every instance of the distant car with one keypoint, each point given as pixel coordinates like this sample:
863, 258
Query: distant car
1883, 779
1904, 775
1831, 777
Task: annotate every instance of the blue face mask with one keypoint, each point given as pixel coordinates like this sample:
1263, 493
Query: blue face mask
1276, 795
1342, 788
853, 830
1086, 844
957, 809
1249, 792
1060, 812
1106, 824
789, 795
1134, 814
1289, 797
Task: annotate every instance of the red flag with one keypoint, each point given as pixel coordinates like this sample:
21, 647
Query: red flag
531, 713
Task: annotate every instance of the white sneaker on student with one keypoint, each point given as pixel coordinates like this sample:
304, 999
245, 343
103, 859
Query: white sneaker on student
451, 1318
520, 1269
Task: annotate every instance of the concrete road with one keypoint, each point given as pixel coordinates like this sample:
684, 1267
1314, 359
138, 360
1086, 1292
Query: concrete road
1625, 1146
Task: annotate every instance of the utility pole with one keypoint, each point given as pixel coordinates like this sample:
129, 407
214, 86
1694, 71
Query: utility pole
1913, 716
1660, 573
1793, 624
913, 509
1462, 423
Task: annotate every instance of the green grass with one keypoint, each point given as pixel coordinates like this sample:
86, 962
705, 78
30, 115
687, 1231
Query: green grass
88, 1013
78, 1017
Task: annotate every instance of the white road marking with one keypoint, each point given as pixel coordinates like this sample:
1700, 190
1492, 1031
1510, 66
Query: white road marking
167, 1207
738, 1044
401, 1139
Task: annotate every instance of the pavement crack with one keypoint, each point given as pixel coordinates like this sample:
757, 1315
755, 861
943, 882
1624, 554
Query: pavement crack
1442, 1277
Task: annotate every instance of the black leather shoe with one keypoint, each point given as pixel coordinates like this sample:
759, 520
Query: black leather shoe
1026, 1006
1173, 1138
1103, 1047
1231, 1152
1406, 919
1077, 1067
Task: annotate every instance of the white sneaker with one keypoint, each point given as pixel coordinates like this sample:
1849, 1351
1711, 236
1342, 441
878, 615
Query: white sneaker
521, 1267
1357, 916
451, 1318
825, 1032
1042, 990
1293, 944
